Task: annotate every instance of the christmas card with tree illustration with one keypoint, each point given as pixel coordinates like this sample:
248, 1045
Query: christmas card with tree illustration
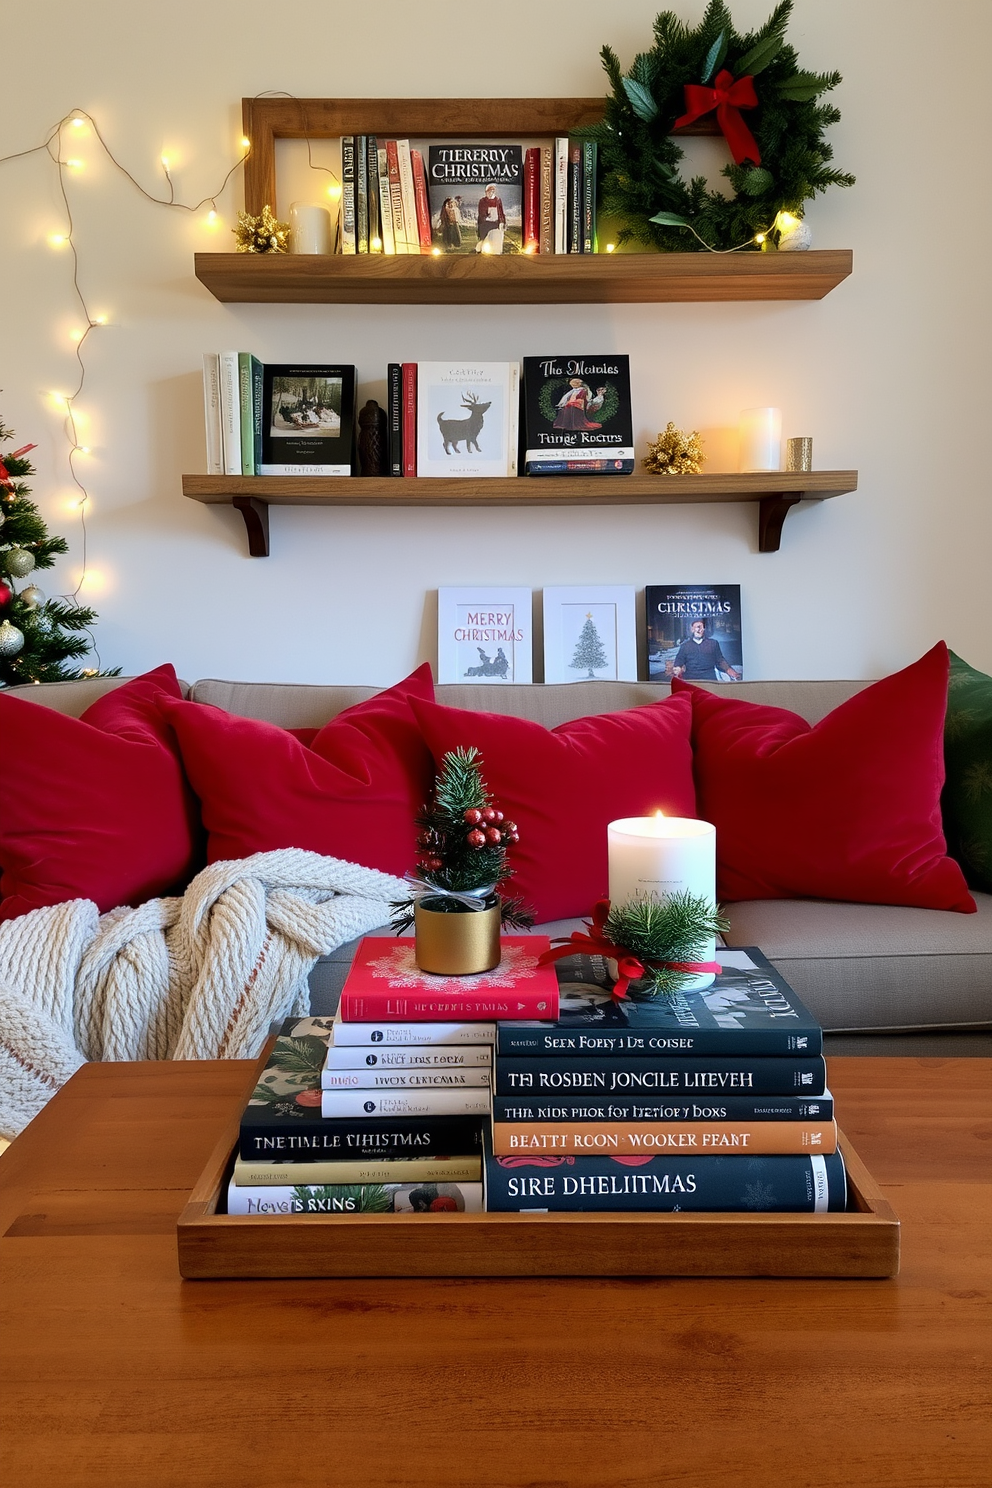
590, 634
576, 417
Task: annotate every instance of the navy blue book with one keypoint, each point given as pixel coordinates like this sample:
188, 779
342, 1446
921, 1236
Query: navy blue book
750, 1009
626, 1107
614, 1073
790, 1185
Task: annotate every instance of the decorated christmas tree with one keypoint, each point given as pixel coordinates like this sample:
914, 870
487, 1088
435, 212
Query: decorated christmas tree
38, 636
590, 654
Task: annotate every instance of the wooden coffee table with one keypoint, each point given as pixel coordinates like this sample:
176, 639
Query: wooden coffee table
116, 1372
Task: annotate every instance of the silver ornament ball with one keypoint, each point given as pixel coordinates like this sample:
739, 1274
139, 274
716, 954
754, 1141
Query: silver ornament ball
32, 597
11, 639
19, 562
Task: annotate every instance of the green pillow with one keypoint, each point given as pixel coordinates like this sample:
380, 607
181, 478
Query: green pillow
966, 803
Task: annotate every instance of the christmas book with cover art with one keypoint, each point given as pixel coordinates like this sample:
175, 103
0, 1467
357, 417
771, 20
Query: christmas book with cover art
694, 632
576, 416
308, 420
467, 414
476, 194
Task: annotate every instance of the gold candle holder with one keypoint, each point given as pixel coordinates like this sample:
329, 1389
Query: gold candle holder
457, 943
799, 454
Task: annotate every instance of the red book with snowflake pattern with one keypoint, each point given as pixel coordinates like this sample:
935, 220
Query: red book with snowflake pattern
385, 985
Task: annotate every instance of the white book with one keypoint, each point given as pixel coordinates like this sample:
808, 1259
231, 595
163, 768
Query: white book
590, 634
484, 635
467, 418
211, 412
362, 1057
385, 202
475, 1078
411, 233
397, 1198
230, 412
374, 1035
351, 1103
561, 194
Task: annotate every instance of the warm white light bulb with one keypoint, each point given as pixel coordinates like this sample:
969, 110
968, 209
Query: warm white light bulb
435, 253
99, 320
57, 240
211, 216
334, 192
376, 243
611, 247
165, 161
785, 221
759, 237
76, 335
78, 123
245, 142
75, 164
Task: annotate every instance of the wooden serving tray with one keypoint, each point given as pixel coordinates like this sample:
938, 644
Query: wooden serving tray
864, 1241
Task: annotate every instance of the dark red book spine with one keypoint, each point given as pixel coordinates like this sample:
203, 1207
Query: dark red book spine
409, 418
421, 198
532, 200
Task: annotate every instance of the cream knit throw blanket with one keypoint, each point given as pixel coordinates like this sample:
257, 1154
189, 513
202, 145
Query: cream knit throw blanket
201, 977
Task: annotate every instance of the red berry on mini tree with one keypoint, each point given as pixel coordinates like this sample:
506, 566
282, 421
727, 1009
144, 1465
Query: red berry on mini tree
488, 814
473, 816
476, 838
493, 836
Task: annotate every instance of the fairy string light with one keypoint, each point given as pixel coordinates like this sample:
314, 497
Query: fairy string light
53, 145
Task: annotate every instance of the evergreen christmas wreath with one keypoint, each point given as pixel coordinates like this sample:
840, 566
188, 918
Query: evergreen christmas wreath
553, 390
767, 109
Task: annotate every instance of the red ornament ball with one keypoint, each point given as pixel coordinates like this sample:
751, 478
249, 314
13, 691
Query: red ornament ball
6, 595
493, 835
473, 816
476, 838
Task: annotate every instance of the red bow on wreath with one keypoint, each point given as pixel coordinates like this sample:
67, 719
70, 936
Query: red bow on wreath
629, 968
728, 97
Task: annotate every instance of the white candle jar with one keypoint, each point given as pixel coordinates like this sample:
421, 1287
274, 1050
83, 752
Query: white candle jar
310, 228
761, 439
654, 857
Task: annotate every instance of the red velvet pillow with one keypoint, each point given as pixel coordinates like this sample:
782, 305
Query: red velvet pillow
94, 807
848, 809
354, 793
562, 786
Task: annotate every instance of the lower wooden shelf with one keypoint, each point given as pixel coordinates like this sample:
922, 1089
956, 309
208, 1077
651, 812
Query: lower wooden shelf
775, 491
861, 1242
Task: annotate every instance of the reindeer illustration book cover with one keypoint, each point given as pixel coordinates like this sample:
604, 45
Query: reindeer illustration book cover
467, 414
484, 635
576, 416
476, 197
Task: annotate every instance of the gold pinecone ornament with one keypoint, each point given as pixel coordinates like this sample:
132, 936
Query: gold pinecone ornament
675, 453
261, 234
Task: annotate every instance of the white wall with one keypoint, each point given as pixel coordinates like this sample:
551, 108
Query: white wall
889, 373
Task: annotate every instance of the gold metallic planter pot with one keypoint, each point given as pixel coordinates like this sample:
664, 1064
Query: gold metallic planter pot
459, 943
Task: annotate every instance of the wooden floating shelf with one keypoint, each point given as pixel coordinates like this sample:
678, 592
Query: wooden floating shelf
775, 491
520, 279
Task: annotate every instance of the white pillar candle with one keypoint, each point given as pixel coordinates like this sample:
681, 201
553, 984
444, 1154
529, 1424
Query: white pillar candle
761, 439
310, 228
654, 857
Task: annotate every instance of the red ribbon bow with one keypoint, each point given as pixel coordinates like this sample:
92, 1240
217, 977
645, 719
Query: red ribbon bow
728, 97
14, 455
629, 969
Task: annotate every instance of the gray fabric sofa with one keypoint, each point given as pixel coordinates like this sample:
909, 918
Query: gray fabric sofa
859, 967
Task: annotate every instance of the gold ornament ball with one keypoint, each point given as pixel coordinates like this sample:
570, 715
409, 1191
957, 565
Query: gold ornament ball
19, 562
11, 639
261, 234
675, 453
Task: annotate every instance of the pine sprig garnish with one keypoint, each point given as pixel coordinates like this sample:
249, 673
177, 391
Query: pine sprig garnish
677, 930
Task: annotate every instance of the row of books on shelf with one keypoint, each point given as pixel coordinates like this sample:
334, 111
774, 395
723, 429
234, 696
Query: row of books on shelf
429, 1095
555, 415
493, 198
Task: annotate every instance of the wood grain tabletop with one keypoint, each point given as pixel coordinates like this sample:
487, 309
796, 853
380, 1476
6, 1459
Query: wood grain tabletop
116, 1372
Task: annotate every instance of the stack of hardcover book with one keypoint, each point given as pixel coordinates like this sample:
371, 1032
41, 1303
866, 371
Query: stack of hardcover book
277, 419
494, 197
382, 1110
710, 1100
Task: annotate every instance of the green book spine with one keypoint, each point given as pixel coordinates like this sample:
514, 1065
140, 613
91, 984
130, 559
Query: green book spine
246, 391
